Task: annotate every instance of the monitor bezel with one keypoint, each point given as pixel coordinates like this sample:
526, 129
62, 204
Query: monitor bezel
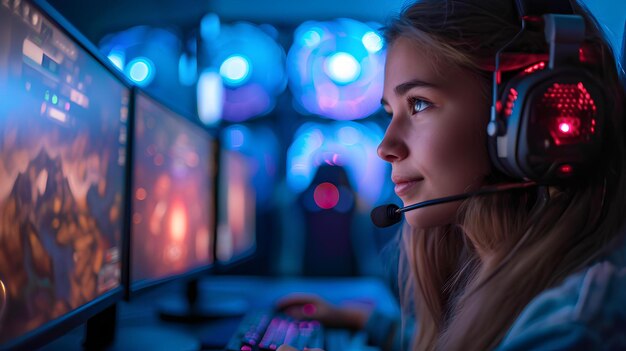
132, 290
53, 329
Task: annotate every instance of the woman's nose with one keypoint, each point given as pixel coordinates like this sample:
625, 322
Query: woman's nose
392, 148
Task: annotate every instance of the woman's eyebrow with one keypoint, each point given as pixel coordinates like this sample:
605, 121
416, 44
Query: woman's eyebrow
401, 89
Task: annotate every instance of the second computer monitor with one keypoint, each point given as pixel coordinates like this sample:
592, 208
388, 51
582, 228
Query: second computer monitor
173, 213
236, 229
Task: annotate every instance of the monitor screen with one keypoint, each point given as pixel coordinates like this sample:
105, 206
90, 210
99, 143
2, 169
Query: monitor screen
172, 230
236, 229
63, 120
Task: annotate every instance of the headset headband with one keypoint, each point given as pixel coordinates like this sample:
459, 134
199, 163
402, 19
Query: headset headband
526, 8
564, 33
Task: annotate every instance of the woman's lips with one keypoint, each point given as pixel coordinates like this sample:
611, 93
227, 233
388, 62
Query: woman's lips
405, 187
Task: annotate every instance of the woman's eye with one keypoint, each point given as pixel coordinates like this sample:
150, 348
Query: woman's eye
419, 105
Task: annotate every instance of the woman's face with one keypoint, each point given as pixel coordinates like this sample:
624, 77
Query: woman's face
436, 140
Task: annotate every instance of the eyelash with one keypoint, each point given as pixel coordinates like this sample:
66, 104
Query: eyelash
413, 100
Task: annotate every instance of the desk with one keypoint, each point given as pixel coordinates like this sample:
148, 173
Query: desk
257, 292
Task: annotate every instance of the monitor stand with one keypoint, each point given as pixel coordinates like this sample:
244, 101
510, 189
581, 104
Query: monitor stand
101, 333
197, 309
100, 329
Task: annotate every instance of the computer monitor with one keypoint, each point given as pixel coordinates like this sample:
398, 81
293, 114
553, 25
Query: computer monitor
63, 133
236, 228
172, 232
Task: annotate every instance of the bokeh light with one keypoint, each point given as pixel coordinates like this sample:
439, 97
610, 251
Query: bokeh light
336, 68
117, 57
210, 92
342, 67
141, 71
157, 60
326, 195
351, 145
251, 64
235, 70
372, 42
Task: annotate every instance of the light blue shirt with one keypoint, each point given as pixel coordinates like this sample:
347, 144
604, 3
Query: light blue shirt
586, 312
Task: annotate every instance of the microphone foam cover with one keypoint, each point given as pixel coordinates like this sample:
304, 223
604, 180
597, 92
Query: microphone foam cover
385, 215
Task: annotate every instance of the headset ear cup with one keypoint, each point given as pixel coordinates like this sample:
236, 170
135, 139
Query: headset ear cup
565, 121
503, 147
553, 121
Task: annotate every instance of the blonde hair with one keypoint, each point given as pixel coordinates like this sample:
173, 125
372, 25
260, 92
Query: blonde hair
535, 238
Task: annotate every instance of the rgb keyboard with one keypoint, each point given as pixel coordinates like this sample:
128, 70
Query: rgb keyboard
267, 330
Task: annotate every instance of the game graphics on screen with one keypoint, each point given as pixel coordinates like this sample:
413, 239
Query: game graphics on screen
62, 169
172, 217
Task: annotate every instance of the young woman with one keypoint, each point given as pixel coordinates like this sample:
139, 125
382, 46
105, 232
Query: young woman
533, 268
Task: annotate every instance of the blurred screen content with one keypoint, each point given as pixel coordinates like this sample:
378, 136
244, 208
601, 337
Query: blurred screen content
172, 221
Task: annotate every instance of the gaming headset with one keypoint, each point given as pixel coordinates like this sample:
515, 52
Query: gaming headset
548, 114
546, 121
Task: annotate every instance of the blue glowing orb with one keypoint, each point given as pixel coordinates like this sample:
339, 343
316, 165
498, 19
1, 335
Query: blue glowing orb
235, 70
336, 69
141, 71
252, 66
372, 42
343, 68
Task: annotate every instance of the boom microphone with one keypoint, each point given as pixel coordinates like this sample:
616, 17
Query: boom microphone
386, 215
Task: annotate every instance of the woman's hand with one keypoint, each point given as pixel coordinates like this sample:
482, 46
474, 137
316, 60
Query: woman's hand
306, 306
